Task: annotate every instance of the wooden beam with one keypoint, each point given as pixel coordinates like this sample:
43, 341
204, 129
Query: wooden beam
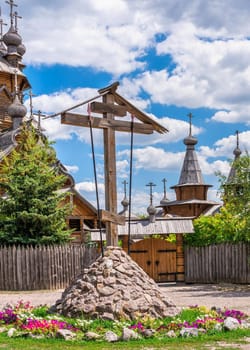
102, 123
99, 107
110, 175
106, 216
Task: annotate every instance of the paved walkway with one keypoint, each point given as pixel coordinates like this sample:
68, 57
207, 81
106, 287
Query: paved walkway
219, 295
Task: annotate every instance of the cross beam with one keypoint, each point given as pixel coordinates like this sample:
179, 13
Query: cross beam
112, 104
104, 123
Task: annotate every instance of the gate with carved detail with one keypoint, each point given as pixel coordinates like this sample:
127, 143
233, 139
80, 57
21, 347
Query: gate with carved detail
157, 258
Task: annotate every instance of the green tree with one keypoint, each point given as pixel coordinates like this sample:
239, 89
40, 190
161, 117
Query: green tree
236, 193
32, 210
232, 223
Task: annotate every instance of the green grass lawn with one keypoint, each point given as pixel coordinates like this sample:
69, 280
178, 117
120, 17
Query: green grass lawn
204, 342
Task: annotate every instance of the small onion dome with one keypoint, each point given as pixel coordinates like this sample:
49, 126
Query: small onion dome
21, 49
237, 152
190, 140
12, 38
151, 210
17, 109
125, 202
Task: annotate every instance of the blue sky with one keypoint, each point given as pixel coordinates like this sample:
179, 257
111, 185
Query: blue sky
170, 57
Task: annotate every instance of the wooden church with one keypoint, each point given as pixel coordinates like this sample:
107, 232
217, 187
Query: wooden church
13, 85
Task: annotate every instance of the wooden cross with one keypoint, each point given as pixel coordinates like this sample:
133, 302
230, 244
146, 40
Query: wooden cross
112, 105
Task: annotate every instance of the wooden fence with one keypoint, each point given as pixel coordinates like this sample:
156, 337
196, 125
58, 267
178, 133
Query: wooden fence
42, 267
53, 267
228, 263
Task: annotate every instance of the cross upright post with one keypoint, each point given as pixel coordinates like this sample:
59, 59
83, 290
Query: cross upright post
164, 188
125, 183
190, 115
12, 4
16, 16
151, 185
110, 175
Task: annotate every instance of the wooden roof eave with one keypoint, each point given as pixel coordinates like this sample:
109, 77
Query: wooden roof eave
111, 89
139, 114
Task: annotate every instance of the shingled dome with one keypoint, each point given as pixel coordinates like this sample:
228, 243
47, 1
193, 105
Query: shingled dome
17, 109
12, 38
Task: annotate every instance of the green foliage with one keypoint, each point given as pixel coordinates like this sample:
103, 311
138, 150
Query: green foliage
232, 223
171, 237
31, 210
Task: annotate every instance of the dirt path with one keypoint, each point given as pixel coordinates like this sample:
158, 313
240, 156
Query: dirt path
232, 296
220, 295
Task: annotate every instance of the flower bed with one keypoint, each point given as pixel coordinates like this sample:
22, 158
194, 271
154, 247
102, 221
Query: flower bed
23, 319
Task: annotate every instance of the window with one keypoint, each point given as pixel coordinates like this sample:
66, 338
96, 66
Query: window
75, 224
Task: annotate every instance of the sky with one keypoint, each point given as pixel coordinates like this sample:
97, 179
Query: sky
171, 58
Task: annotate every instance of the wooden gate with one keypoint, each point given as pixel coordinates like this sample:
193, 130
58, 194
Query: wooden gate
157, 257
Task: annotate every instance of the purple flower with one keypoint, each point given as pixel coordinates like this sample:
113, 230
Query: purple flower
8, 316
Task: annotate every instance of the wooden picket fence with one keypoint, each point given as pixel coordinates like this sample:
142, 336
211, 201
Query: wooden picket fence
228, 263
42, 267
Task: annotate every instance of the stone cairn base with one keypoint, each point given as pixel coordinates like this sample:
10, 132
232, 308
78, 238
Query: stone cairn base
114, 287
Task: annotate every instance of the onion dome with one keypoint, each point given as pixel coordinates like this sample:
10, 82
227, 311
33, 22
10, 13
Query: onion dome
12, 38
151, 210
21, 49
190, 140
237, 152
17, 109
125, 202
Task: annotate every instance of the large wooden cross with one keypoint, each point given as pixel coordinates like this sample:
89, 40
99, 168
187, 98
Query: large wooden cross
112, 105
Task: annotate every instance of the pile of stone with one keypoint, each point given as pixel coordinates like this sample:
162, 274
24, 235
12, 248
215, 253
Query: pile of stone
114, 287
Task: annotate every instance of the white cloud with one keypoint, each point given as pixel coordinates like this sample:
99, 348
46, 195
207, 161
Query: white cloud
89, 186
122, 168
239, 116
157, 158
210, 168
225, 146
72, 168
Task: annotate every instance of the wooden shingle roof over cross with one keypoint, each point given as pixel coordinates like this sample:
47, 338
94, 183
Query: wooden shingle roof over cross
113, 105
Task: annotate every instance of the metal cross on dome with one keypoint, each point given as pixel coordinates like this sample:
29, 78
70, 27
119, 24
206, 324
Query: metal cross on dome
164, 188
125, 183
12, 4
237, 138
151, 185
16, 16
190, 116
